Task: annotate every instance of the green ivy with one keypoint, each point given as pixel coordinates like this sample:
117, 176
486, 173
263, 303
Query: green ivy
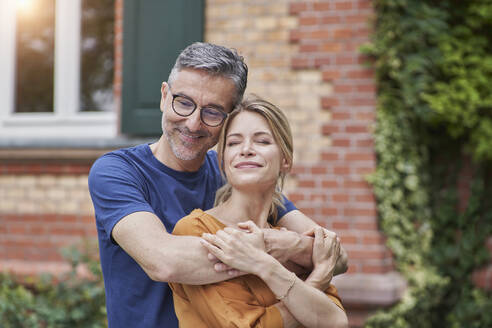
46, 302
433, 64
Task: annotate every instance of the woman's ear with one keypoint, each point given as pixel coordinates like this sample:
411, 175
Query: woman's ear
285, 166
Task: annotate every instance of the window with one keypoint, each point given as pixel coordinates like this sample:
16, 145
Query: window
56, 73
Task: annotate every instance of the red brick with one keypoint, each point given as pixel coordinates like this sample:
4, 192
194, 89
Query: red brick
309, 211
363, 32
340, 142
297, 169
321, 61
366, 254
67, 218
331, 47
360, 73
340, 198
373, 239
15, 168
330, 128
356, 184
300, 63
357, 18
330, 75
360, 212
329, 156
345, 59
306, 183
366, 101
330, 20
308, 48
294, 36
329, 184
366, 268
17, 229
343, 5
360, 156
339, 116
322, 34
370, 88
364, 4
366, 116
330, 211
348, 239
297, 7
342, 33
366, 225
319, 170
308, 20
329, 102
365, 143
364, 170
356, 128
341, 170
369, 198
340, 225
322, 6
343, 88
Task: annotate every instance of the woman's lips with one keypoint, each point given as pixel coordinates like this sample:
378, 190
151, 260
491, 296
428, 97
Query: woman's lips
247, 165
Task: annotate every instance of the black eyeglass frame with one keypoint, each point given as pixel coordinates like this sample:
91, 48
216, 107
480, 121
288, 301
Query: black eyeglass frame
224, 115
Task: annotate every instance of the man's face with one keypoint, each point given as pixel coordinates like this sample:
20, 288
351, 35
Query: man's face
188, 137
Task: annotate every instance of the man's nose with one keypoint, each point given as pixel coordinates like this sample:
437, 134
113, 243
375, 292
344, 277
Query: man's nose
193, 122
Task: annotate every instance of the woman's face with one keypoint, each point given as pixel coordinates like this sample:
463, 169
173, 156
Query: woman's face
252, 158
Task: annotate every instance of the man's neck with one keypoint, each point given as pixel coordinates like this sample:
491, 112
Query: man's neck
164, 154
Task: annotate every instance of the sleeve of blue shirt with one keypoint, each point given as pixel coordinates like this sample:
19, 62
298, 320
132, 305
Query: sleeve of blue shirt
116, 190
289, 206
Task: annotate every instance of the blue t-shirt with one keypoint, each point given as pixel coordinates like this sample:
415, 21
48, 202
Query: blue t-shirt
132, 180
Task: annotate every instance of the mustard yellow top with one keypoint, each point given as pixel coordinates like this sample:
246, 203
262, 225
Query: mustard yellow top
244, 301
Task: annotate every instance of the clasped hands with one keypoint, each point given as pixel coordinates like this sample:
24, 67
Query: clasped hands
240, 250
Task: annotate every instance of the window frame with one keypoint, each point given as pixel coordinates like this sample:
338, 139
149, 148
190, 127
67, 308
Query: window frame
66, 120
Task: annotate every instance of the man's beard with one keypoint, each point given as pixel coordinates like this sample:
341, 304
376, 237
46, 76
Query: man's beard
179, 148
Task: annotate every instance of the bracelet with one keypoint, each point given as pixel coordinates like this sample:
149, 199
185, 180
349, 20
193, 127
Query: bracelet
292, 282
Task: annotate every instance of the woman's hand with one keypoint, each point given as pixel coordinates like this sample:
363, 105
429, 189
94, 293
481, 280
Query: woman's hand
326, 250
242, 249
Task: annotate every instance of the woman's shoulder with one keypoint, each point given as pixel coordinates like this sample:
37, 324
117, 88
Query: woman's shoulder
196, 223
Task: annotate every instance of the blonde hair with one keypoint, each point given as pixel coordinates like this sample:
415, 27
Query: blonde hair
280, 128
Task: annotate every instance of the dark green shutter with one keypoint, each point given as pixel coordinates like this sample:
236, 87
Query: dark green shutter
154, 33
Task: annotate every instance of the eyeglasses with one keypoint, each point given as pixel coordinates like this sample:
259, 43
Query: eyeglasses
185, 106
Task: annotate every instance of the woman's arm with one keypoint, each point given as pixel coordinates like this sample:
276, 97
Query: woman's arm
307, 304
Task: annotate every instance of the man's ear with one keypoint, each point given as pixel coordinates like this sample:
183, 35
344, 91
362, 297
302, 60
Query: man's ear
164, 90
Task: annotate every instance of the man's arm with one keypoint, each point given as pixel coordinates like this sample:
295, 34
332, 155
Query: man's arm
297, 248
163, 256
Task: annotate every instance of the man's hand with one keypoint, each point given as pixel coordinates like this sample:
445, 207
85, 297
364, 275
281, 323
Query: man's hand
326, 251
282, 244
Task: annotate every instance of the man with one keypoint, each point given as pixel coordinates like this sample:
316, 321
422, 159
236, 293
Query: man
139, 194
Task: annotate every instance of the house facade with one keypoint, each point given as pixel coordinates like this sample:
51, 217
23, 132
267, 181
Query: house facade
82, 77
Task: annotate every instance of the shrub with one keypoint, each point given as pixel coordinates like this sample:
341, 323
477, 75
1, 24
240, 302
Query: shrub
48, 302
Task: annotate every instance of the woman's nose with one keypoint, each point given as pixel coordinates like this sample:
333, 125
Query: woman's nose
247, 148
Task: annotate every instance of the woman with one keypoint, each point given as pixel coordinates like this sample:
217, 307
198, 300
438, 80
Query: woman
255, 152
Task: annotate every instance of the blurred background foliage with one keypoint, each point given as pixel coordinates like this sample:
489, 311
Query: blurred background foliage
433, 64
71, 300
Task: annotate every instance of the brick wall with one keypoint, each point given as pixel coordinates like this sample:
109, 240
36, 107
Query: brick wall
303, 56
43, 207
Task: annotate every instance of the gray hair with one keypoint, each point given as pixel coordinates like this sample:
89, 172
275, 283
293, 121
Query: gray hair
216, 60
